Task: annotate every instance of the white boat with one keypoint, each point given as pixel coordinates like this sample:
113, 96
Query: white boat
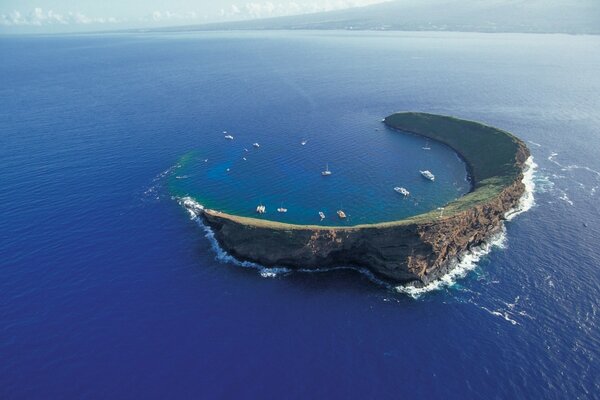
303, 142
428, 175
245, 149
341, 214
256, 145
228, 170
261, 209
426, 147
321, 214
282, 210
244, 158
206, 160
327, 172
228, 137
402, 191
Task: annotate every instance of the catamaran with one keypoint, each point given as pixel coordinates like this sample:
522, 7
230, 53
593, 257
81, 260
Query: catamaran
341, 214
327, 172
261, 209
428, 175
402, 191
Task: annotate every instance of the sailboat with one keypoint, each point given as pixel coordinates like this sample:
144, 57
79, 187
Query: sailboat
426, 147
327, 172
322, 215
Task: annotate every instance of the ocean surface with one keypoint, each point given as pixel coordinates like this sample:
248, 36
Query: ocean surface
109, 289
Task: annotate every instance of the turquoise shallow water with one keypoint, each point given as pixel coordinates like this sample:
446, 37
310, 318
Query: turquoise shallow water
367, 161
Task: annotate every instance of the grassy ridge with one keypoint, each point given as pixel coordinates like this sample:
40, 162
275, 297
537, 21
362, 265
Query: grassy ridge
490, 153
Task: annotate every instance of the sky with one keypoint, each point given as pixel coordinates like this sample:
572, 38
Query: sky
52, 16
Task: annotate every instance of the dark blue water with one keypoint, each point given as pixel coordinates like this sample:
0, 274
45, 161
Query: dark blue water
109, 290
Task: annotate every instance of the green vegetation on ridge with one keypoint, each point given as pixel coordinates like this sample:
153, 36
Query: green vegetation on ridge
489, 152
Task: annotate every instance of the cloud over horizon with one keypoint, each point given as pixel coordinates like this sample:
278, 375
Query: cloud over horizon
266, 9
39, 17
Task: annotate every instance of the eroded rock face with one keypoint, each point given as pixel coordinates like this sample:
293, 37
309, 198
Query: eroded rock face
416, 252
404, 253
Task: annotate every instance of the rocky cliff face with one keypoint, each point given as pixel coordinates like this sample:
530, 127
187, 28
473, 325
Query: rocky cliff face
403, 251
418, 252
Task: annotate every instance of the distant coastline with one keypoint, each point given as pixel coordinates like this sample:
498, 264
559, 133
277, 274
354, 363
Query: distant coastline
416, 249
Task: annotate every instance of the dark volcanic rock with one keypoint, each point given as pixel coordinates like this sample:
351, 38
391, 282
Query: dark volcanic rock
416, 250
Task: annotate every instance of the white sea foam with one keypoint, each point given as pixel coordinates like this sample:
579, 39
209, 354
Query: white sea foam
574, 173
564, 197
467, 262
573, 167
527, 200
195, 210
459, 268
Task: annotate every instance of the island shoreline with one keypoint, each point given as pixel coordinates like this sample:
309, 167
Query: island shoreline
415, 250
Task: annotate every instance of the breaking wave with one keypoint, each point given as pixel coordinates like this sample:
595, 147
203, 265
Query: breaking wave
527, 201
195, 209
460, 268
468, 261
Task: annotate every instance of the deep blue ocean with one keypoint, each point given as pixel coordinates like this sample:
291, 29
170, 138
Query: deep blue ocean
108, 289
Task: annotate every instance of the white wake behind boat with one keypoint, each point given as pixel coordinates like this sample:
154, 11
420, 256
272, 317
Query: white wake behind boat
428, 175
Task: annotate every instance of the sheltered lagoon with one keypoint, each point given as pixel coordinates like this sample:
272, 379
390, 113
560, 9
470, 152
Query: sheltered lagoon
367, 159
415, 250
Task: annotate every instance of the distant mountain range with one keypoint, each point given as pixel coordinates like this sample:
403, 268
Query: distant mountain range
540, 16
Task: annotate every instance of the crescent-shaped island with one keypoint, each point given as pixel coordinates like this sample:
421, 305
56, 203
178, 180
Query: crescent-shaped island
415, 250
